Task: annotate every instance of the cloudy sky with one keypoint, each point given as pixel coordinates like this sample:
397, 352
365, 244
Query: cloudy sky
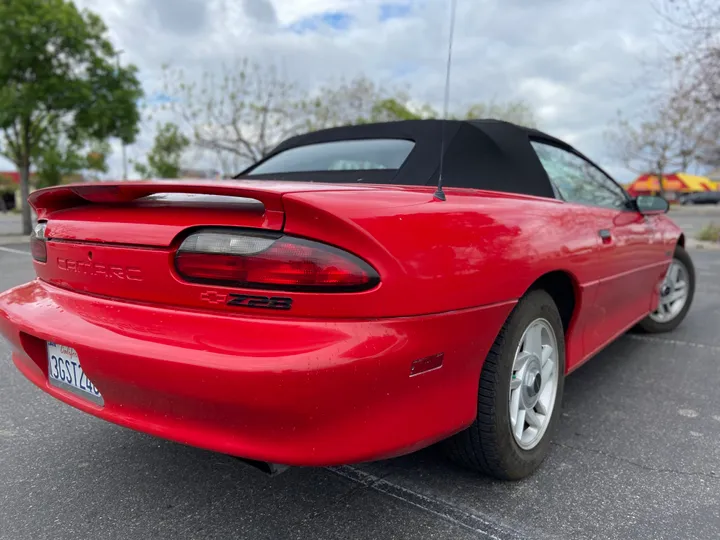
576, 61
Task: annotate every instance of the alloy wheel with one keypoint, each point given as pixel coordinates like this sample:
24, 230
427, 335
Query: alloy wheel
673, 293
534, 384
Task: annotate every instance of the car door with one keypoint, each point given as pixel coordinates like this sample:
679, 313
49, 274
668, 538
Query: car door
626, 253
641, 243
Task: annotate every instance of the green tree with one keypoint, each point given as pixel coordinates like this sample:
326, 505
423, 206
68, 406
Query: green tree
95, 160
54, 162
59, 72
390, 109
163, 161
61, 160
361, 101
357, 101
517, 112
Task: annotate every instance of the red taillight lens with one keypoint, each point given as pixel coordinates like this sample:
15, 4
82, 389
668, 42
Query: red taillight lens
38, 248
271, 262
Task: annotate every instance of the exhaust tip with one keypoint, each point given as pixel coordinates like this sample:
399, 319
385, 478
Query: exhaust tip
269, 469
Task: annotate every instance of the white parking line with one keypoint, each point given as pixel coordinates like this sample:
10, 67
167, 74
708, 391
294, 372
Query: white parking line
436, 507
18, 251
652, 339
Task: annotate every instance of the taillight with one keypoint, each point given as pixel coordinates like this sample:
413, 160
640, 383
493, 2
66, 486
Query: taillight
38, 248
267, 261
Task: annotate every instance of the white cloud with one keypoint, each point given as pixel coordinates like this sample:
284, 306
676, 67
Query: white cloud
577, 62
290, 11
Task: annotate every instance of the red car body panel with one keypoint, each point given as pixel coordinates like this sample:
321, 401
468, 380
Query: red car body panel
330, 381
293, 391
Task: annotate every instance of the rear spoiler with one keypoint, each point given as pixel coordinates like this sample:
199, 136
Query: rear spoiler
48, 200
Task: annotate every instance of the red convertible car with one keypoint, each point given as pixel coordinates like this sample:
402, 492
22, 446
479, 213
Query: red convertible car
328, 306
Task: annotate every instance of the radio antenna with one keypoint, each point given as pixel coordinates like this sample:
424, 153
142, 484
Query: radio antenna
439, 193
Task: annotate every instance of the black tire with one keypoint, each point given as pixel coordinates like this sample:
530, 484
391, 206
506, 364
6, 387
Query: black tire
488, 445
650, 326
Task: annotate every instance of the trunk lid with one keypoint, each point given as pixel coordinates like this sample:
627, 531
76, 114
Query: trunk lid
119, 240
154, 213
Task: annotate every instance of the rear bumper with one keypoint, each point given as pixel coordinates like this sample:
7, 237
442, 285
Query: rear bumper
297, 392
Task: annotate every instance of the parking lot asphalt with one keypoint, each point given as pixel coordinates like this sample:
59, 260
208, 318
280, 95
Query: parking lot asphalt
692, 219
10, 224
636, 455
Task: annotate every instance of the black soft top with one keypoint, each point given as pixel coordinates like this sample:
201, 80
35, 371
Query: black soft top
480, 154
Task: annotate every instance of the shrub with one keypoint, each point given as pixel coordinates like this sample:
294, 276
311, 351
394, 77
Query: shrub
709, 233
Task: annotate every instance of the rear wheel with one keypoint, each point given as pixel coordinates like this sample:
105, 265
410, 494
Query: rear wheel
521, 387
676, 295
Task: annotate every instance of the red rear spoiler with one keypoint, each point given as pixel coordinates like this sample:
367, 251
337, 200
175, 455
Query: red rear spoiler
268, 192
49, 200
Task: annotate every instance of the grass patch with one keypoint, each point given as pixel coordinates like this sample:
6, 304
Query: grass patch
709, 233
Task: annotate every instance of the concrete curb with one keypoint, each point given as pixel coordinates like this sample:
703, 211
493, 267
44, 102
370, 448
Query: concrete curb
700, 210
14, 239
691, 243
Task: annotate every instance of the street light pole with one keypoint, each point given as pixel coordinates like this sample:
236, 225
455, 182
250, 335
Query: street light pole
124, 160
124, 152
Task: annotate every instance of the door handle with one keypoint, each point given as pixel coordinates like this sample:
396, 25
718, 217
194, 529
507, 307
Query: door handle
605, 236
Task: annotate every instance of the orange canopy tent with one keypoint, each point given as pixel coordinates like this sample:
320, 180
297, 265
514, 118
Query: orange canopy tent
675, 183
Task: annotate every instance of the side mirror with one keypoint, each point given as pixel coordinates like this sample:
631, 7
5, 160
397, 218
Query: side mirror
650, 205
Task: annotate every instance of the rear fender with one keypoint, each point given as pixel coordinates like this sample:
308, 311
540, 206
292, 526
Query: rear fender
473, 249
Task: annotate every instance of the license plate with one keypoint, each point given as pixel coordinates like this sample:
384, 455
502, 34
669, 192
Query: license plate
65, 371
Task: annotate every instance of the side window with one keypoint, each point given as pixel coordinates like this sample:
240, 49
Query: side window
578, 181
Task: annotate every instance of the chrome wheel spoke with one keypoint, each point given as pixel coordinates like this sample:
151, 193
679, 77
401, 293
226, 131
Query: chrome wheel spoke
533, 340
547, 371
531, 433
520, 361
547, 352
514, 404
542, 404
533, 419
520, 423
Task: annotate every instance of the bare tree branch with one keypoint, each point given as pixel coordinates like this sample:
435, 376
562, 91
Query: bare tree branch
243, 112
696, 63
673, 137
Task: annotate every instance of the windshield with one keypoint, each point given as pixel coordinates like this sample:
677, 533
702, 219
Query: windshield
351, 155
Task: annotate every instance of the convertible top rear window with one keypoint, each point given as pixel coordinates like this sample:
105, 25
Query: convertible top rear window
348, 155
476, 154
